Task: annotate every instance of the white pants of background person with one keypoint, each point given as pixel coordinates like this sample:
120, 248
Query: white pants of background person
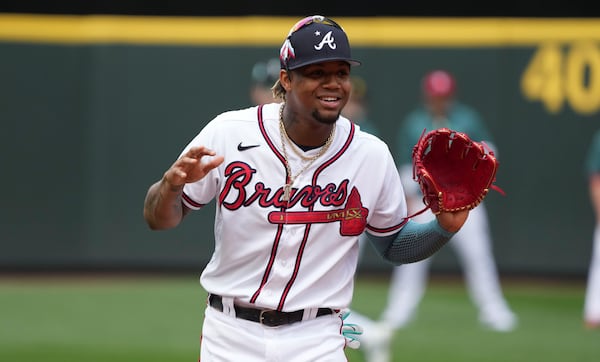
473, 247
591, 309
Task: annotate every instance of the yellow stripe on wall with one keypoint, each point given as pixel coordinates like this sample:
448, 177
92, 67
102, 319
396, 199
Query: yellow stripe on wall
270, 31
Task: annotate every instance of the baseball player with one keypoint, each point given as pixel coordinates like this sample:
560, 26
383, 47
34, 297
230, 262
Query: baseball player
295, 185
591, 311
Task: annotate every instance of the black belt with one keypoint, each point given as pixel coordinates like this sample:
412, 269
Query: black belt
268, 317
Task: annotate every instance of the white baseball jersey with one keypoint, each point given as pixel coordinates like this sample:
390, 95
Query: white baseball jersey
302, 253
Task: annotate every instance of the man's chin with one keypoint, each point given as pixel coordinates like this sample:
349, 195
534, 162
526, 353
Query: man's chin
328, 118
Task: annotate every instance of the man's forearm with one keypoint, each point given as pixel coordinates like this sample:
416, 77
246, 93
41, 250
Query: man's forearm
163, 208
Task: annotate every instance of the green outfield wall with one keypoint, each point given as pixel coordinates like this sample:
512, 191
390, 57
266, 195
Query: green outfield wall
94, 109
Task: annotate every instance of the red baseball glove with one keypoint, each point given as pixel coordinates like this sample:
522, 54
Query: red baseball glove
454, 172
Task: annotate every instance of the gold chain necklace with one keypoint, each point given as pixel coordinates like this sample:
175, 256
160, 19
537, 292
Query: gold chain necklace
293, 146
287, 189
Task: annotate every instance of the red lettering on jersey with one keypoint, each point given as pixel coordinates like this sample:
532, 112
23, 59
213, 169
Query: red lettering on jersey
238, 176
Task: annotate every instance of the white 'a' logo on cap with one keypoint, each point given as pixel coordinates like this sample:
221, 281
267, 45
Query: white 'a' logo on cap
327, 39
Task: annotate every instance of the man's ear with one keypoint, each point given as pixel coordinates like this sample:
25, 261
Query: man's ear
285, 78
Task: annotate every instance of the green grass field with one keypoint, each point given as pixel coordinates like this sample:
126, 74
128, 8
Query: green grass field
101, 319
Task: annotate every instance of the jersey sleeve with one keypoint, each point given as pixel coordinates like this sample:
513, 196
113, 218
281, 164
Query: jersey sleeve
390, 213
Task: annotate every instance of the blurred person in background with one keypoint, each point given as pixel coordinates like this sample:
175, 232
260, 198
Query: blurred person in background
264, 74
591, 311
357, 108
473, 243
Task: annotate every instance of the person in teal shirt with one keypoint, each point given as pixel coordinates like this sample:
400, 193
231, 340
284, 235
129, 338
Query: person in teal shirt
473, 243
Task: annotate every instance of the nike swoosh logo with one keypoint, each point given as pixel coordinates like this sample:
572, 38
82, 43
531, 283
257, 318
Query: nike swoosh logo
244, 148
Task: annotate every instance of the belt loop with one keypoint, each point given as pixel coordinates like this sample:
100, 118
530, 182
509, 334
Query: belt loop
228, 306
310, 313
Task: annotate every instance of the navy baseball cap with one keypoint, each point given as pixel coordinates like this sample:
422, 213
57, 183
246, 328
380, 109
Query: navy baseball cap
315, 39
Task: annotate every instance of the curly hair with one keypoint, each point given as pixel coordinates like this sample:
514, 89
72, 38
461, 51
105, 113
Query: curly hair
278, 91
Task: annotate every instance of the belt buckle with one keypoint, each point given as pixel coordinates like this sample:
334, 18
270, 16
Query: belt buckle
272, 321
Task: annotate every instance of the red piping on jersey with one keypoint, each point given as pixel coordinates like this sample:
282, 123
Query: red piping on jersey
389, 229
273, 254
337, 155
269, 265
261, 126
190, 201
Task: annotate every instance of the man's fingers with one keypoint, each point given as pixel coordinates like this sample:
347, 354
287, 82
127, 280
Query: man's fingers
188, 160
214, 162
200, 151
190, 167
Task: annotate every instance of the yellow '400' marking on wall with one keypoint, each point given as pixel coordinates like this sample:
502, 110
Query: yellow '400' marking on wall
559, 74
